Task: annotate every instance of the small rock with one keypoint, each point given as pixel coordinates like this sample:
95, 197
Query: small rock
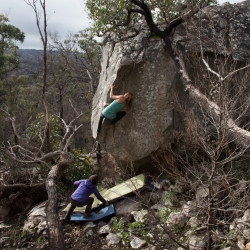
246, 234
104, 230
177, 218
195, 242
240, 243
137, 243
139, 215
88, 226
3, 239
113, 239
90, 233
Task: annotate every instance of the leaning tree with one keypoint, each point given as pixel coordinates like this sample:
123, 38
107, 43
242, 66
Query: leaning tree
162, 18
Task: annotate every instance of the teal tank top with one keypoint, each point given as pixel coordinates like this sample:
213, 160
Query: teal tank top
111, 110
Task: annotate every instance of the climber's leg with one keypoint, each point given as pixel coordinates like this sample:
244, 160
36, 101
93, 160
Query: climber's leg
100, 123
119, 116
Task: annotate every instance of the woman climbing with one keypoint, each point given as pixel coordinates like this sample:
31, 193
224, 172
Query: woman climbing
113, 111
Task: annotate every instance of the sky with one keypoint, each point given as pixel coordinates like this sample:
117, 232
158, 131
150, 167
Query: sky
64, 16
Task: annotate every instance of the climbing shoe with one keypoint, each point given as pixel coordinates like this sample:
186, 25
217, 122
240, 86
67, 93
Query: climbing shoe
87, 215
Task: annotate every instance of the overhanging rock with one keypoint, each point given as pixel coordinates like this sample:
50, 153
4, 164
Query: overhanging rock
138, 64
134, 61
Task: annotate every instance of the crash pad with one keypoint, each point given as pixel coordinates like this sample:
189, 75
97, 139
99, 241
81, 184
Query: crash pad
104, 212
115, 192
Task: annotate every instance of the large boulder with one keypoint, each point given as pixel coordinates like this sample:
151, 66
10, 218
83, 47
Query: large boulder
149, 73
136, 61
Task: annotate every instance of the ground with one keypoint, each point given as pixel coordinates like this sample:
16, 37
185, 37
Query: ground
76, 237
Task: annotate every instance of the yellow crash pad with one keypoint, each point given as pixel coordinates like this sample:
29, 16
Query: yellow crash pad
113, 193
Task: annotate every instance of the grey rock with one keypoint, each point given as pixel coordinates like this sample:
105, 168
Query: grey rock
137, 243
158, 207
241, 243
195, 242
139, 63
3, 239
190, 209
113, 239
89, 233
89, 225
139, 215
177, 218
193, 222
36, 218
2, 225
246, 234
104, 230
126, 206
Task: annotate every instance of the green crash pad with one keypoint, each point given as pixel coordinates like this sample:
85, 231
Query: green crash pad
116, 192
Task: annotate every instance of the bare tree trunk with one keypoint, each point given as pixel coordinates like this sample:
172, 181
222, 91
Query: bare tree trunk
46, 146
56, 236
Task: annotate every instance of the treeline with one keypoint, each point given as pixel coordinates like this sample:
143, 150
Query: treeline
73, 72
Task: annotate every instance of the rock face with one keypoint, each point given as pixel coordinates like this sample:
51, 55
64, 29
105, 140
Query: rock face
133, 61
141, 72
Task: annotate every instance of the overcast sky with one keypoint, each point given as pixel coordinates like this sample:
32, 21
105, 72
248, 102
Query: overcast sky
64, 16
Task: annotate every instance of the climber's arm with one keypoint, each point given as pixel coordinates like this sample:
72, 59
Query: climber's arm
112, 96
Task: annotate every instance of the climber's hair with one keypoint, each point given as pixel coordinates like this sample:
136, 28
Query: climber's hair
94, 179
129, 101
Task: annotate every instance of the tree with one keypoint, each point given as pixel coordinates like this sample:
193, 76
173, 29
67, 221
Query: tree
217, 127
29, 154
56, 239
44, 37
8, 50
38, 144
88, 53
74, 67
149, 11
77, 64
204, 159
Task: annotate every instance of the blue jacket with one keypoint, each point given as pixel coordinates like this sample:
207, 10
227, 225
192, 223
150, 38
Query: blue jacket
84, 190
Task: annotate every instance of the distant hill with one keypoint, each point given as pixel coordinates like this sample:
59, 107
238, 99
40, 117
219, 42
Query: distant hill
31, 61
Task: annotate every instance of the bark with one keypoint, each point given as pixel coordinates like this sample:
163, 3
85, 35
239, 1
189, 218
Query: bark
235, 134
56, 236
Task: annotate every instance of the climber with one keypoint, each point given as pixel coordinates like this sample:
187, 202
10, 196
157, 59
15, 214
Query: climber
80, 196
113, 111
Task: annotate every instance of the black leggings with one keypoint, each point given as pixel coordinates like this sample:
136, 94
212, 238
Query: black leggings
74, 204
118, 117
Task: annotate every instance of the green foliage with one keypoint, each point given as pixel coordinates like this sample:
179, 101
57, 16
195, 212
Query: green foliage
108, 15
136, 225
241, 170
125, 237
118, 226
164, 213
15, 234
37, 128
81, 169
138, 228
90, 51
8, 50
17, 92
223, 243
135, 228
